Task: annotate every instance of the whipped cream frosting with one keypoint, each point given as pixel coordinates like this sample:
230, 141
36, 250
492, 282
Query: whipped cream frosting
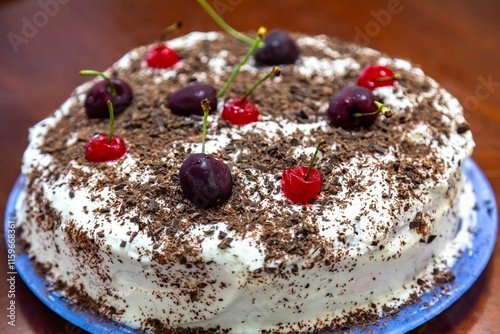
374, 230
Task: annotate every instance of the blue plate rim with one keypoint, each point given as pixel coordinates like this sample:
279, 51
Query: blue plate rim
467, 269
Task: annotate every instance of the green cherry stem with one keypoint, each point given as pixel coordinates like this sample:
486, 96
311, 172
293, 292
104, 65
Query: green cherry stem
313, 160
170, 29
112, 88
275, 71
111, 121
233, 32
205, 105
260, 35
381, 109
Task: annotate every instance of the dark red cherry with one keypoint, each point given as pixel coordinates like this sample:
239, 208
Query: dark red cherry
374, 76
239, 112
296, 188
279, 49
205, 181
161, 56
186, 101
100, 149
98, 95
347, 107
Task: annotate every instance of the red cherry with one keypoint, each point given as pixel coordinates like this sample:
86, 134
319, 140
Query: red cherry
296, 188
161, 56
238, 111
100, 149
374, 76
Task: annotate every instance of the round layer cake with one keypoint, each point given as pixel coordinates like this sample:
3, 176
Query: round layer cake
121, 237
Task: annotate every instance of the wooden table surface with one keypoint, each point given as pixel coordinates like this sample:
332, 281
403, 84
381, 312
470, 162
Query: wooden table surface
44, 43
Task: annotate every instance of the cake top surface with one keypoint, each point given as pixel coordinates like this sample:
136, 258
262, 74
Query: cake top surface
374, 179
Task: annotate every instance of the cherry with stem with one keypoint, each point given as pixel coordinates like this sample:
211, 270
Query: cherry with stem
302, 184
115, 90
240, 110
161, 56
205, 181
106, 147
354, 107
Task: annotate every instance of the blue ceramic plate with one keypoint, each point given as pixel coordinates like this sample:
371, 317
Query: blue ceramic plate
467, 270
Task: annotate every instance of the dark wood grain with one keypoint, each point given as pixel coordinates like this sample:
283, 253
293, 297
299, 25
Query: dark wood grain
456, 42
